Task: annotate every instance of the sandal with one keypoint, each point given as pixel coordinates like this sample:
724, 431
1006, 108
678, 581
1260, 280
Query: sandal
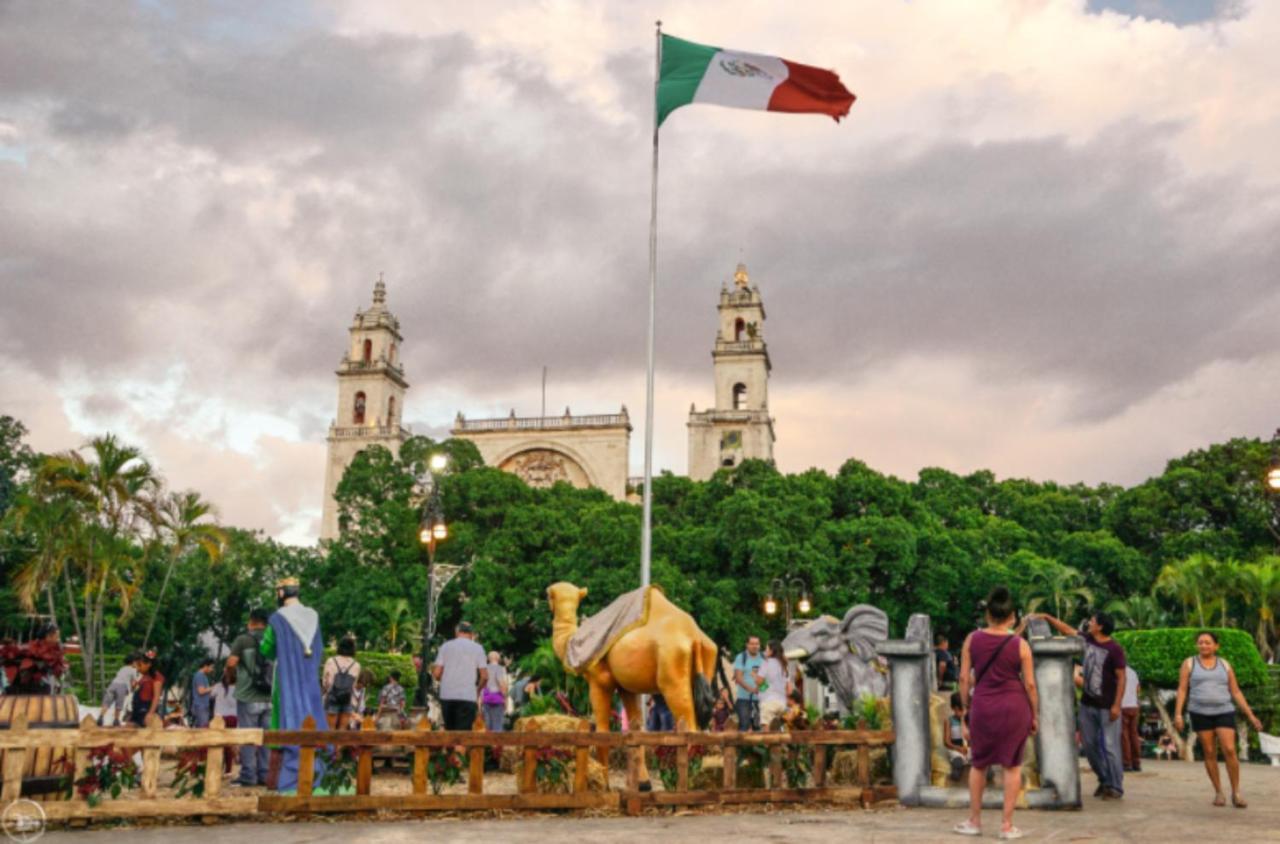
1010, 834
1220, 800
966, 827
1239, 802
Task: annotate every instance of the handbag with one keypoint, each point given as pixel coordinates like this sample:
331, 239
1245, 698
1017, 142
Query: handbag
492, 697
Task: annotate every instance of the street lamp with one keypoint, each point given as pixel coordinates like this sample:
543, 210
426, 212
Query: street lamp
787, 588
431, 531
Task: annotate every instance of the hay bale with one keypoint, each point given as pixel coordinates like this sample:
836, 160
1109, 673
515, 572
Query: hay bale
710, 777
597, 777
551, 723
844, 766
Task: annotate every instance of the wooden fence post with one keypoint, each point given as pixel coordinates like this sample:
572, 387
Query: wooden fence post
364, 765
151, 760
420, 759
819, 765
730, 767
529, 771
80, 756
306, 761
582, 762
682, 768
775, 766
213, 762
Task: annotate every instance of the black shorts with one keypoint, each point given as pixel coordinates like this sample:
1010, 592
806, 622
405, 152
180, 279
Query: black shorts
458, 714
1205, 723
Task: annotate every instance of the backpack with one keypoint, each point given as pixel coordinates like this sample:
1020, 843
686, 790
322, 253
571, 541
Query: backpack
261, 671
343, 688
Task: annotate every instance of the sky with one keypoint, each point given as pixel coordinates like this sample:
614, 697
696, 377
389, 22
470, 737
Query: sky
1043, 242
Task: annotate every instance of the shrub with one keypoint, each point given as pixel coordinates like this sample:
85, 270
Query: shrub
1157, 655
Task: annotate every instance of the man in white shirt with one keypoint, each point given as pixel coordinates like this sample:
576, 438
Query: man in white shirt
1130, 740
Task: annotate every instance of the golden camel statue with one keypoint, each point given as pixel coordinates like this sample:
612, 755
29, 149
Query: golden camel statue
662, 651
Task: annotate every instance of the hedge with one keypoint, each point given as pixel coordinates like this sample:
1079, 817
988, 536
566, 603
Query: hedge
1157, 655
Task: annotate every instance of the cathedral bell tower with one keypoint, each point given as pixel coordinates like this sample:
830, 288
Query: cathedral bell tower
738, 427
371, 390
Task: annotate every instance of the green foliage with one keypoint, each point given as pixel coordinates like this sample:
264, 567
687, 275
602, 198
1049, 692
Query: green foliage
1157, 655
379, 665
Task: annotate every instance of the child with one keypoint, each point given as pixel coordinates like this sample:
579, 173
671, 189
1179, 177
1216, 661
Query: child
721, 712
953, 738
120, 690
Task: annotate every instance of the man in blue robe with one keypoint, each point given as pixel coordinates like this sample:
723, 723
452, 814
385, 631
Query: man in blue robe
292, 639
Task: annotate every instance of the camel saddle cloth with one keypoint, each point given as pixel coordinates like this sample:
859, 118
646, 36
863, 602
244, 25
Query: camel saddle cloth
598, 633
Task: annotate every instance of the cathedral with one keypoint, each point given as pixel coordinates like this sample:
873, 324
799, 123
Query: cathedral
583, 450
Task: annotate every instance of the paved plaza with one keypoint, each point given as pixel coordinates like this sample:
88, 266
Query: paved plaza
1168, 802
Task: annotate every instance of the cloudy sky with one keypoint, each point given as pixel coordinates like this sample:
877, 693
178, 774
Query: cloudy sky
1044, 242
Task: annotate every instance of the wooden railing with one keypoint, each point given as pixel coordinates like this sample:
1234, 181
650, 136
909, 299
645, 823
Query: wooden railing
19, 743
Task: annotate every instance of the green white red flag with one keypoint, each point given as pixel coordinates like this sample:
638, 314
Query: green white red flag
695, 73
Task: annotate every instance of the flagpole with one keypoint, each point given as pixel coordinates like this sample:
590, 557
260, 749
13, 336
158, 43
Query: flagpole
646, 528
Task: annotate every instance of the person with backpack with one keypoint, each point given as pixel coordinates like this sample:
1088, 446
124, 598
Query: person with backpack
746, 677
998, 693
252, 675
338, 683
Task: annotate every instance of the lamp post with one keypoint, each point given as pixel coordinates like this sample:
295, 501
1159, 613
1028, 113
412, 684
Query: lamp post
431, 531
1273, 486
787, 587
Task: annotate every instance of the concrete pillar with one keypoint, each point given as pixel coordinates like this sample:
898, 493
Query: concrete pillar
1056, 743
909, 689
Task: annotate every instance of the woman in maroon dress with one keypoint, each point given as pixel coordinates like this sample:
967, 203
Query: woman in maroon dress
998, 691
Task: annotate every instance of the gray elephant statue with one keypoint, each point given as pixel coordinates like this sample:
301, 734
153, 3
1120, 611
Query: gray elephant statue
842, 653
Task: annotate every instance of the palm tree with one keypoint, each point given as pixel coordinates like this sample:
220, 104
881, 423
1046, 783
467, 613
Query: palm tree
400, 624
1190, 581
115, 491
1138, 612
1259, 585
178, 516
1058, 586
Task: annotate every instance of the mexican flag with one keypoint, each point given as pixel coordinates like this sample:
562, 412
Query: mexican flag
696, 73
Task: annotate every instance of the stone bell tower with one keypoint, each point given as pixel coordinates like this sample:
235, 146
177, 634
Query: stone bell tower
738, 427
371, 390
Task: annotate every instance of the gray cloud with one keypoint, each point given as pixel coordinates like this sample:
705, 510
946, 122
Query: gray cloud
220, 186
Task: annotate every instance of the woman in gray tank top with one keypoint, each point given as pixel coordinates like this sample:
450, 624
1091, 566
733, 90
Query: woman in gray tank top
1207, 688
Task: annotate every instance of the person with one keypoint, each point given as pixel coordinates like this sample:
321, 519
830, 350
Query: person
392, 697
660, 718
747, 702
293, 641
341, 674
998, 691
1102, 680
1130, 712
149, 691
1206, 687
363, 682
119, 690
201, 688
494, 697
721, 711
953, 738
460, 669
224, 707
524, 689
946, 662
251, 673
773, 683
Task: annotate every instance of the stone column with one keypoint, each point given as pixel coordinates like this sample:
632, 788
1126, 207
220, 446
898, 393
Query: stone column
909, 690
1056, 742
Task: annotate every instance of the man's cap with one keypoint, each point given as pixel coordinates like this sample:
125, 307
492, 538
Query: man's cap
465, 627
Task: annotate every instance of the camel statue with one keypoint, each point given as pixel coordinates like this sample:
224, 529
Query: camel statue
652, 647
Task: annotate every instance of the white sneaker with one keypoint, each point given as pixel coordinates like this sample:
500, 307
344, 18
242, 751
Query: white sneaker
966, 828
1010, 834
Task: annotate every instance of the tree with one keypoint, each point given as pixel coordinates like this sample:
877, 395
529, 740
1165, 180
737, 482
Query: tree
1138, 612
1258, 585
1058, 587
1191, 582
179, 519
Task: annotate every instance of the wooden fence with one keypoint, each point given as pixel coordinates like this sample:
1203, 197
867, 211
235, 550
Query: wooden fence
419, 743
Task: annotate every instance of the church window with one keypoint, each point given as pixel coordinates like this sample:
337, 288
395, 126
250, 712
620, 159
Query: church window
391, 411
739, 329
357, 415
368, 351
392, 353
739, 396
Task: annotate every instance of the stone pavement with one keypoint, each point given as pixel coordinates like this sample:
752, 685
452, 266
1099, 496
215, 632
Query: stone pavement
1167, 803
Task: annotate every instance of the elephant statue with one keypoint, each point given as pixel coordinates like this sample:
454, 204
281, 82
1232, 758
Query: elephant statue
842, 653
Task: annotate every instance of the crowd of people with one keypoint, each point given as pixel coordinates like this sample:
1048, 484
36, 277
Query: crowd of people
996, 707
